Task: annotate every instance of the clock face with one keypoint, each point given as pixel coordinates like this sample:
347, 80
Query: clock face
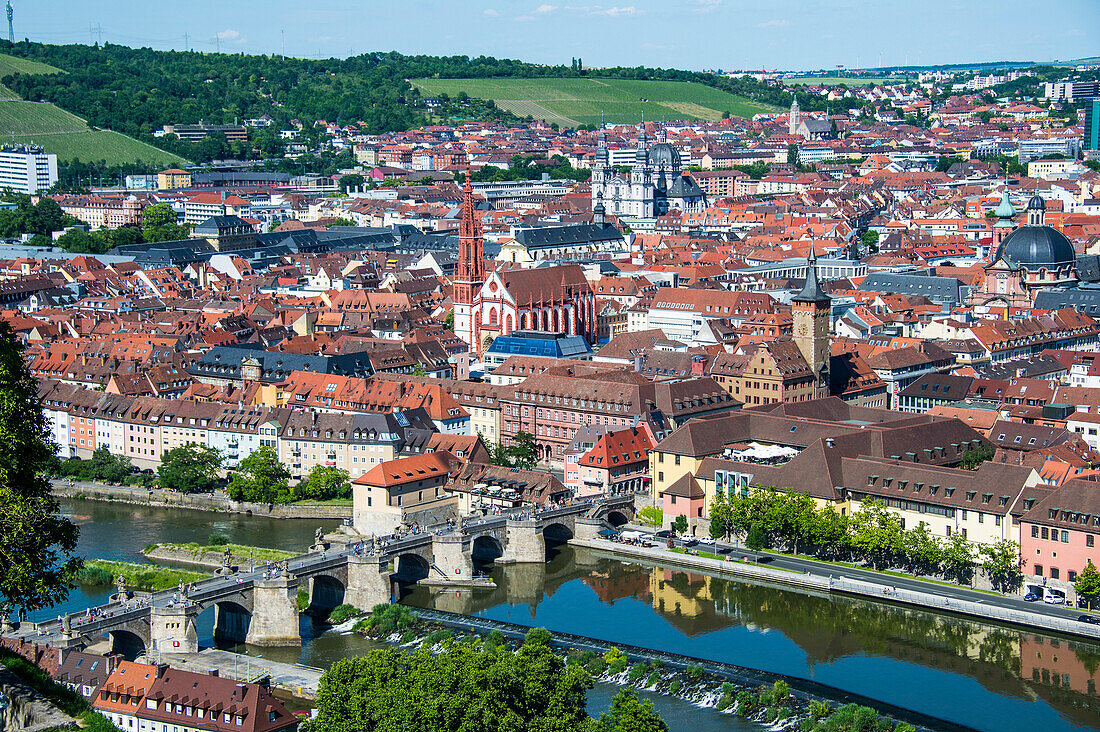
803, 329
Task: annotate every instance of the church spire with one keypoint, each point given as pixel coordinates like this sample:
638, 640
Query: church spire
811, 291
471, 245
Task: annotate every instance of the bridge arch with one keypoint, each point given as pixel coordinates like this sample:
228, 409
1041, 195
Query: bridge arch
325, 593
557, 532
127, 643
231, 621
616, 518
486, 548
411, 567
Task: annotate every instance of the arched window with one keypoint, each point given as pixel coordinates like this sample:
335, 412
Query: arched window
492, 316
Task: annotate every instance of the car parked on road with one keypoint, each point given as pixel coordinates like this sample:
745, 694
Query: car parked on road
663, 534
706, 540
1088, 619
1032, 597
690, 542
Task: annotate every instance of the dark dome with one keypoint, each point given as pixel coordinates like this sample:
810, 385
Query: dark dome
1036, 247
1036, 203
664, 154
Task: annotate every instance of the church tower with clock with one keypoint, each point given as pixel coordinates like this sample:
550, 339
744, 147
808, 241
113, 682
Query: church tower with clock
810, 310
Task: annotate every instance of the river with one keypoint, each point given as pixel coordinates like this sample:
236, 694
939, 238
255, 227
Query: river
982, 675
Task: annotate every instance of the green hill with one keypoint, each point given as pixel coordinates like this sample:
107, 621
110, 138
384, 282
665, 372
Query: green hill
70, 138
577, 101
14, 65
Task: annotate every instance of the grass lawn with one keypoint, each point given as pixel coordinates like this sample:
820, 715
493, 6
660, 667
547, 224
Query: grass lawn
237, 550
138, 576
581, 101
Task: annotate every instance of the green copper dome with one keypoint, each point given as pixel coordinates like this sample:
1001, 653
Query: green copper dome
1004, 209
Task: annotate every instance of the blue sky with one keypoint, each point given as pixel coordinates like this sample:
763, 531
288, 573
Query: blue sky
691, 34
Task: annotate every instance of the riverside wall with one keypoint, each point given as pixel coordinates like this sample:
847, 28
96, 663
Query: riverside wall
214, 502
880, 592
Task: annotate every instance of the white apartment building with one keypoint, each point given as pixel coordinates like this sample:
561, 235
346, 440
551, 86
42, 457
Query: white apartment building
27, 169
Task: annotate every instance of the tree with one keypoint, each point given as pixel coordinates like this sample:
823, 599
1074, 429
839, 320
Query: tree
523, 452
721, 520
1088, 584
260, 478
341, 221
973, 458
876, 532
922, 549
792, 155
108, 467
36, 542
651, 516
680, 524
190, 468
418, 370
349, 181
869, 239
464, 687
1002, 564
158, 214
958, 558
628, 713
755, 539
324, 483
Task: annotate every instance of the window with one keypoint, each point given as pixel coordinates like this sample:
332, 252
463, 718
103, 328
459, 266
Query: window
1034, 532
1071, 576
1065, 537
1054, 573
1038, 570
1090, 540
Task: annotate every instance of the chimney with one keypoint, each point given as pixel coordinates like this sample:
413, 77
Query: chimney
213, 672
162, 668
830, 442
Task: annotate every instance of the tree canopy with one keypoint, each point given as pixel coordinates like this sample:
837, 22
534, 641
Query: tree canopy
190, 468
36, 542
259, 478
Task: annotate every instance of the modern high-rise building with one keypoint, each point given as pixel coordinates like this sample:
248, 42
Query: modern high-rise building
27, 169
1091, 119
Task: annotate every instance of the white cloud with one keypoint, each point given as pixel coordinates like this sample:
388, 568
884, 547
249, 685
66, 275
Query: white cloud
544, 9
491, 13
773, 23
705, 6
615, 12
656, 47
228, 35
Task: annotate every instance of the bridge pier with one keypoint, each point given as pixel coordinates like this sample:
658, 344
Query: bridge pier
172, 629
525, 543
274, 613
368, 581
449, 553
587, 528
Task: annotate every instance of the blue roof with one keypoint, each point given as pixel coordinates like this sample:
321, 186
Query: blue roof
547, 345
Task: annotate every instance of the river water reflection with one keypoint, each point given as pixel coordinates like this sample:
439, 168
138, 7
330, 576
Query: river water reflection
985, 676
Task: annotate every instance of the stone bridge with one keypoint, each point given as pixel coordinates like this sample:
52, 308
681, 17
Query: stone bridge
261, 608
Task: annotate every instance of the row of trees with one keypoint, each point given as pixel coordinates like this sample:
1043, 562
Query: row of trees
791, 520
158, 224
194, 468
525, 167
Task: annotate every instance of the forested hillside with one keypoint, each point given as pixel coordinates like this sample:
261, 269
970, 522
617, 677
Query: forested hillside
137, 90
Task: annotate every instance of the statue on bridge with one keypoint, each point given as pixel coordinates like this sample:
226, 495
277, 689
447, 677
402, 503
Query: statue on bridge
319, 544
227, 562
66, 626
5, 618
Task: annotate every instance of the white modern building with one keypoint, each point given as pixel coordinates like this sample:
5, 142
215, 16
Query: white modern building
27, 169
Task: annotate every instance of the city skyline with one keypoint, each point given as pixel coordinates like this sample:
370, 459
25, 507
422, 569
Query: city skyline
687, 34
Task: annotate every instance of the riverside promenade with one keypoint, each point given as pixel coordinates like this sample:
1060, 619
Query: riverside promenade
827, 578
216, 502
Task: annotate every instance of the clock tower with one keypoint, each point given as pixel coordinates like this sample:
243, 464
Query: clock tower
810, 310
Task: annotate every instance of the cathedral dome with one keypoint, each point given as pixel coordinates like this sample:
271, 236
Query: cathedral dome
1036, 247
664, 154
